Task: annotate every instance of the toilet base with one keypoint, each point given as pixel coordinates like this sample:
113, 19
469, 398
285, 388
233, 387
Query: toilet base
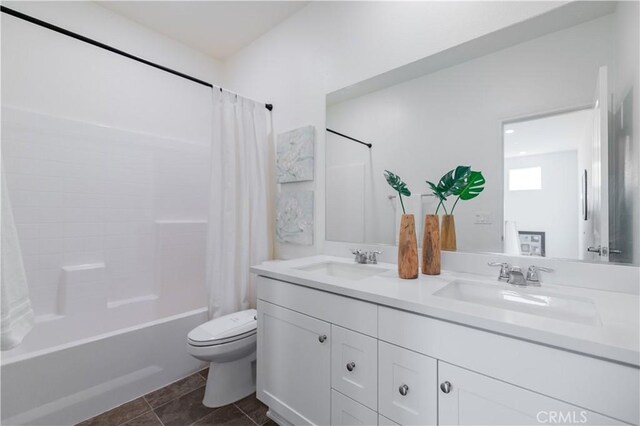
229, 382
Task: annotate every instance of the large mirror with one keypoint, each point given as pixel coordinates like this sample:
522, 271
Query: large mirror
546, 110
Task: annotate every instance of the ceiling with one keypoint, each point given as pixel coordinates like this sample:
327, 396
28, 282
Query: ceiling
555, 133
216, 28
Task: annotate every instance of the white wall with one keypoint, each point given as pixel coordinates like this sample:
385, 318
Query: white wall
106, 158
424, 127
330, 45
554, 209
50, 73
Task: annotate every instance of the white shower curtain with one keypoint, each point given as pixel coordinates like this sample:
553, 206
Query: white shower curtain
16, 314
239, 205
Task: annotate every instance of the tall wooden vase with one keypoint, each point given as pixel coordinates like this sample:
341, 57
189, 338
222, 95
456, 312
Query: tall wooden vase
408, 248
448, 233
431, 245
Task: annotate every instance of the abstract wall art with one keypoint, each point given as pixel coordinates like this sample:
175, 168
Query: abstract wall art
295, 155
294, 217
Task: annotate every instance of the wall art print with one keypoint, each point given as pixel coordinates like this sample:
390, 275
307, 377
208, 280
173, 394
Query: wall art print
295, 155
294, 217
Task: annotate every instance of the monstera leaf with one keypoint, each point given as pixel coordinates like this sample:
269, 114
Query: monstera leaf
450, 184
396, 183
461, 182
454, 180
437, 191
472, 187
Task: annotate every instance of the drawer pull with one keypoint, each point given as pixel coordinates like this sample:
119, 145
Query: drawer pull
322, 338
404, 390
351, 366
445, 387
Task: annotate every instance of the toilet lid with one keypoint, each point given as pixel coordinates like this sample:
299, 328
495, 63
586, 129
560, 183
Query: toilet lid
225, 329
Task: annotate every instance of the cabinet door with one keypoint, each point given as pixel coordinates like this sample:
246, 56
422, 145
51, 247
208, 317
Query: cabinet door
383, 421
347, 412
407, 389
468, 398
294, 360
354, 365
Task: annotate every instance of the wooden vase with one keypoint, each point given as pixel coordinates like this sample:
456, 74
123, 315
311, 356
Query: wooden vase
448, 233
431, 245
408, 248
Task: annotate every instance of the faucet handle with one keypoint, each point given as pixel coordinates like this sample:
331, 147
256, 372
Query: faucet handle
532, 273
505, 268
373, 256
360, 256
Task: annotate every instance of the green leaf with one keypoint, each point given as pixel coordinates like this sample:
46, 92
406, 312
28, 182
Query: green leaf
396, 183
437, 191
473, 186
453, 182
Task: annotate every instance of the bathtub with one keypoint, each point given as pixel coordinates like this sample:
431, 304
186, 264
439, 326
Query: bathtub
69, 369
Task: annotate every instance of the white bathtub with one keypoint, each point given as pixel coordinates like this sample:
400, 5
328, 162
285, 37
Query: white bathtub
72, 368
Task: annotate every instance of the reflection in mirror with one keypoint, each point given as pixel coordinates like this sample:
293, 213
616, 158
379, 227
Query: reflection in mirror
546, 112
543, 158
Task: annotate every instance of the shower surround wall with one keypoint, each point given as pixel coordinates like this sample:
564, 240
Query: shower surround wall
102, 214
107, 163
106, 159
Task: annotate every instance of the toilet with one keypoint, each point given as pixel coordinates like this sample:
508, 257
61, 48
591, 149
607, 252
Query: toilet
229, 344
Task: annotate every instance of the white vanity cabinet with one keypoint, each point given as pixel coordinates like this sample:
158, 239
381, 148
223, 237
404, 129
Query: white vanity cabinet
294, 364
354, 365
345, 411
325, 358
407, 392
468, 398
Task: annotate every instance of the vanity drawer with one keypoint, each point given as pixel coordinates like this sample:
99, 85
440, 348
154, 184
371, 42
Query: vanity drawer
407, 383
346, 411
354, 365
344, 311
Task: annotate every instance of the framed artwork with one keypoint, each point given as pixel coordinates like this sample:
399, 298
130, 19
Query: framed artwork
532, 243
295, 155
294, 217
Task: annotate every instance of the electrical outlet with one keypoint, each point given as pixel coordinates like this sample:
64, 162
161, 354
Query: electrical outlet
483, 218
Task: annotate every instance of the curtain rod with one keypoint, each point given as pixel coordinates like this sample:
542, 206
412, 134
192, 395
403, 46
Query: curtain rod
349, 137
112, 49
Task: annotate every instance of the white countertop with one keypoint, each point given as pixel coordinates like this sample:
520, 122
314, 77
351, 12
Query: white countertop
616, 337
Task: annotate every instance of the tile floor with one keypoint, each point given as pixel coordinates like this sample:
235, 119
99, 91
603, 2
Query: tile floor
180, 404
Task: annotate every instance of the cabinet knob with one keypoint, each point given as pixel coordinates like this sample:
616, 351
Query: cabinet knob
445, 387
404, 390
351, 366
322, 338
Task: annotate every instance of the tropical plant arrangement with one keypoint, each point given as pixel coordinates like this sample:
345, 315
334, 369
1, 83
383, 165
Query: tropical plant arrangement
461, 182
407, 242
397, 183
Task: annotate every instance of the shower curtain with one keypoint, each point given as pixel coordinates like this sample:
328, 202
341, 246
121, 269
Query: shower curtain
239, 204
16, 314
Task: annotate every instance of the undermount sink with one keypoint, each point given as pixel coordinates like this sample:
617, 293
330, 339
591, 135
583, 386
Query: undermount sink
344, 270
536, 302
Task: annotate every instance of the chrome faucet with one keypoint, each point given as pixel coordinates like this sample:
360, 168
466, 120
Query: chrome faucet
365, 257
532, 274
505, 270
516, 277
513, 274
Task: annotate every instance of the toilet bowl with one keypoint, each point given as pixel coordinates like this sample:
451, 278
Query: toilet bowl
229, 344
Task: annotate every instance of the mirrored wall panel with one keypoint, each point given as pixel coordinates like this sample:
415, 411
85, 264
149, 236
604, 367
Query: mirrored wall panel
546, 112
